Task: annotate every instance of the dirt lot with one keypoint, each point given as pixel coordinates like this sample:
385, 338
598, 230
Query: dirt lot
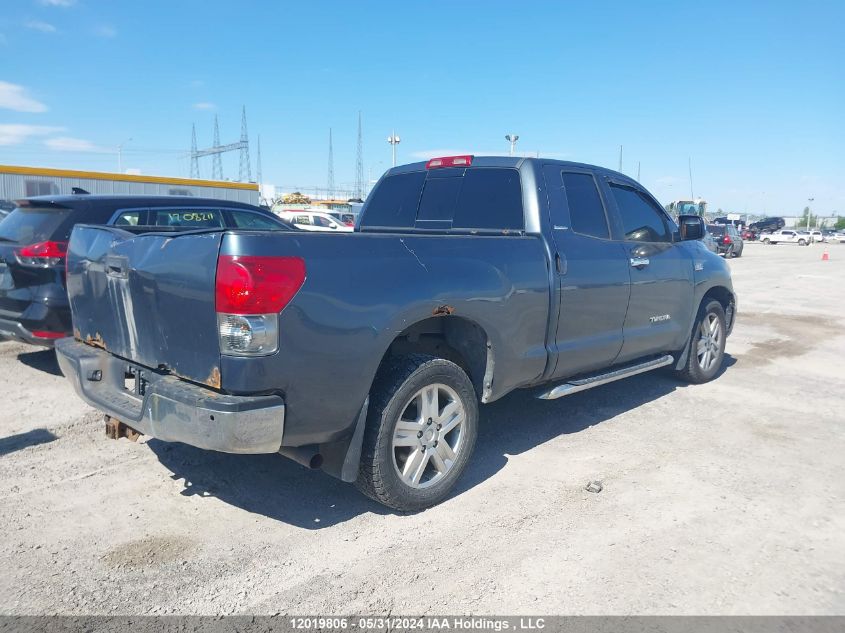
722, 498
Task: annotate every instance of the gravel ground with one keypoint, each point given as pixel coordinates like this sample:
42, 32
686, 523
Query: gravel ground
722, 498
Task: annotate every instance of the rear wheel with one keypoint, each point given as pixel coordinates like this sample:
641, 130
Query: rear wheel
421, 430
802, 242
766, 240
707, 344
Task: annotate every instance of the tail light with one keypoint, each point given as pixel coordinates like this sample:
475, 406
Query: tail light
726, 240
49, 335
250, 292
42, 254
449, 161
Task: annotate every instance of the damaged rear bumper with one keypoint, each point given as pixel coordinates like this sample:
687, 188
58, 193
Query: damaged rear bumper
171, 409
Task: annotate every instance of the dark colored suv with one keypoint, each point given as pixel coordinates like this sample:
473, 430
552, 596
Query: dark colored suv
728, 239
34, 238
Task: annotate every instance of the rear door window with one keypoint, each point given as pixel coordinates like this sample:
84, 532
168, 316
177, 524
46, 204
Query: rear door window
129, 218
247, 220
186, 218
490, 198
28, 225
586, 211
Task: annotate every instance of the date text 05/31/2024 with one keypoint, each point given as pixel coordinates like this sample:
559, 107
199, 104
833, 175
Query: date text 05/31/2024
418, 623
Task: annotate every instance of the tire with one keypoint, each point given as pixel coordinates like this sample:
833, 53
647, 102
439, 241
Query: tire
419, 446
695, 370
802, 243
767, 241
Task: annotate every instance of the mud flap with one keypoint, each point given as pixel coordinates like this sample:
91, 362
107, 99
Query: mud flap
341, 459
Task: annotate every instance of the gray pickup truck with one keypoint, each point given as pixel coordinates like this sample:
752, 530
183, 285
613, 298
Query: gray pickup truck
367, 354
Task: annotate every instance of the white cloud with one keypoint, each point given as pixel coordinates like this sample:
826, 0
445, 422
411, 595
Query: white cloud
57, 3
17, 133
37, 25
15, 97
70, 144
204, 105
105, 30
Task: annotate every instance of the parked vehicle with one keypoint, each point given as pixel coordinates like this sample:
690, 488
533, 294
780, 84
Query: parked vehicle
785, 236
34, 237
728, 241
467, 278
315, 221
748, 235
838, 238
767, 224
816, 236
709, 241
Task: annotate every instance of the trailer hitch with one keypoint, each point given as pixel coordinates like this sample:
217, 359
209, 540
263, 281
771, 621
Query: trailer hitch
115, 429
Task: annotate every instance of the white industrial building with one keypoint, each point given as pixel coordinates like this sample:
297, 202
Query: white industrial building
22, 182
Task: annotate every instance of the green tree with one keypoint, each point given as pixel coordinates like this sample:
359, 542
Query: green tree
802, 222
840, 224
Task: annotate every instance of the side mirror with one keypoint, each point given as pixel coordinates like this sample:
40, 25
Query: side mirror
691, 227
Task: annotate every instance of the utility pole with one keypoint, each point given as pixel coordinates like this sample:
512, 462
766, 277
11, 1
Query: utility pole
217, 162
394, 140
512, 139
195, 163
330, 180
638, 171
620, 160
809, 212
689, 163
359, 163
258, 177
120, 155
244, 173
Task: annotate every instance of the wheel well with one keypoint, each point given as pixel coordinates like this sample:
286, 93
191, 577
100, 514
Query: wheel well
456, 339
726, 298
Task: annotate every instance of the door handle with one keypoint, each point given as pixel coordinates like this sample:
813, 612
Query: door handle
639, 262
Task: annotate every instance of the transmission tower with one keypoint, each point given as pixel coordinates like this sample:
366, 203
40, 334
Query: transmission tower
258, 164
330, 181
244, 174
359, 164
217, 163
195, 163
217, 149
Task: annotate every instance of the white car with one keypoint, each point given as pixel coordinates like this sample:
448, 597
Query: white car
838, 238
314, 221
786, 236
817, 236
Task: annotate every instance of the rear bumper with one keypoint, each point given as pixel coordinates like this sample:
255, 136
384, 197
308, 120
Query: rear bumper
15, 330
171, 409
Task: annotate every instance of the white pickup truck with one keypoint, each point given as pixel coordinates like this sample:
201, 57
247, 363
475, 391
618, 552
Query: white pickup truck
786, 236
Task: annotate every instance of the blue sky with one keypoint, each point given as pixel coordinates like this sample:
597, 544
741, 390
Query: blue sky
753, 92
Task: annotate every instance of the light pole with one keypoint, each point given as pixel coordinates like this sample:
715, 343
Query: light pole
512, 139
394, 140
809, 212
120, 155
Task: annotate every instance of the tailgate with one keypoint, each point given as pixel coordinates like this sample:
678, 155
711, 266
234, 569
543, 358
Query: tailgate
147, 298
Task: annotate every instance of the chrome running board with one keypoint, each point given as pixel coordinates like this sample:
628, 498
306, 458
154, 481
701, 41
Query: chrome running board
581, 384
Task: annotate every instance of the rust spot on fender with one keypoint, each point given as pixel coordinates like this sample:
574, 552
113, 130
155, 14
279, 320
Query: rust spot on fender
96, 341
444, 310
213, 379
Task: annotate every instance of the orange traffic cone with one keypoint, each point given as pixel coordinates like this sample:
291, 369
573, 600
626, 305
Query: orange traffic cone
825, 256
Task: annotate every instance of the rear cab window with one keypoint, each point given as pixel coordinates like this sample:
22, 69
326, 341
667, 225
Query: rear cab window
248, 220
586, 210
464, 199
